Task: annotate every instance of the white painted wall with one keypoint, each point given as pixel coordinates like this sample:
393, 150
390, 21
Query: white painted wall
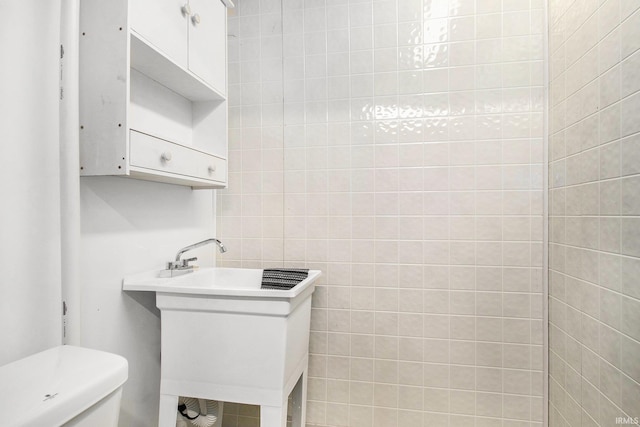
29, 178
130, 226
69, 166
127, 226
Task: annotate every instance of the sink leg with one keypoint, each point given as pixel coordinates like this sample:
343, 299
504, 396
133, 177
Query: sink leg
299, 401
273, 416
168, 410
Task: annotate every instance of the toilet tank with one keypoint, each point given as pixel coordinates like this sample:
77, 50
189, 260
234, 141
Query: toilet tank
59, 385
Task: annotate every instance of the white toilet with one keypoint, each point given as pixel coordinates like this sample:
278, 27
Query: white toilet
63, 386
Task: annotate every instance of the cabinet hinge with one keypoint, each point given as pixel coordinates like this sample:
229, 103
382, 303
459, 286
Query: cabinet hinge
64, 320
61, 71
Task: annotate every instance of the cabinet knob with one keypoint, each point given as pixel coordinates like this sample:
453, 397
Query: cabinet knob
195, 19
186, 9
212, 169
166, 156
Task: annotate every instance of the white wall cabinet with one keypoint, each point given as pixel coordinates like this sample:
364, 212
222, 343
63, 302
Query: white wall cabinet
153, 90
163, 24
207, 43
190, 32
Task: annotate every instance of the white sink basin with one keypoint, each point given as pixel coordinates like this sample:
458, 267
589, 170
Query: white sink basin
224, 338
238, 282
231, 290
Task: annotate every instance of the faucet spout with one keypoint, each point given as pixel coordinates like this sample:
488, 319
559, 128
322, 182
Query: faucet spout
179, 267
218, 243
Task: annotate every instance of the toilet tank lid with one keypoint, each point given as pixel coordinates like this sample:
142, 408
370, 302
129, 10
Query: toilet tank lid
51, 387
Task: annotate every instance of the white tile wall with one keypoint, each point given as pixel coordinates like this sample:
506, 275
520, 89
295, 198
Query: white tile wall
594, 259
397, 145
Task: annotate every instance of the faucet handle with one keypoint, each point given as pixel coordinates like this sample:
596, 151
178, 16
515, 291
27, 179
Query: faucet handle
181, 265
185, 262
171, 265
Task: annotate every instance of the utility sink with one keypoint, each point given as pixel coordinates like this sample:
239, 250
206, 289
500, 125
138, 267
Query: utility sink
223, 289
224, 338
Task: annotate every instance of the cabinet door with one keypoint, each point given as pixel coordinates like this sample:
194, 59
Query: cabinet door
163, 24
208, 42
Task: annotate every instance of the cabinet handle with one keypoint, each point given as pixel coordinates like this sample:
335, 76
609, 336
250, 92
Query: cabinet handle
212, 169
195, 19
186, 9
166, 156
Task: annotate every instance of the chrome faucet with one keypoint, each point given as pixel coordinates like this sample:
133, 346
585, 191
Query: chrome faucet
183, 265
